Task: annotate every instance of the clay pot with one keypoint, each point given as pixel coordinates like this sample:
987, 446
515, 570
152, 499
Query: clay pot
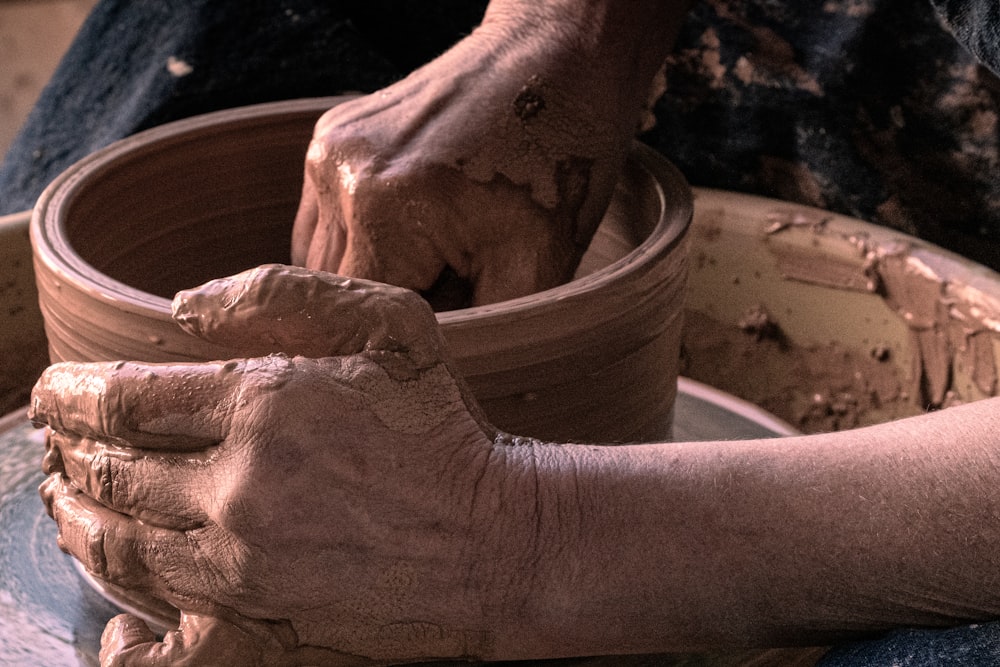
22, 346
831, 323
124, 229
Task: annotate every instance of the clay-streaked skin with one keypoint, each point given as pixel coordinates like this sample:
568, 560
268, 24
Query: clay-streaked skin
352, 507
305, 463
496, 160
343, 502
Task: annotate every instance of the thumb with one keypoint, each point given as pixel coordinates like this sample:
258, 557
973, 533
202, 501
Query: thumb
198, 641
297, 311
122, 639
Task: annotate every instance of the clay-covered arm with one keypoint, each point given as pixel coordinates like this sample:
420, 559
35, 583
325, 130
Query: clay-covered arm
352, 505
608, 51
493, 163
800, 540
619, 44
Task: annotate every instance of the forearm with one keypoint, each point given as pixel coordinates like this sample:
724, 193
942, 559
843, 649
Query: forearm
616, 46
766, 543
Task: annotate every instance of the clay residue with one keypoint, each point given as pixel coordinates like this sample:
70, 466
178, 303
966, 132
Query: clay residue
853, 8
703, 61
950, 324
814, 265
758, 323
771, 61
529, 101
817, 388
178, 68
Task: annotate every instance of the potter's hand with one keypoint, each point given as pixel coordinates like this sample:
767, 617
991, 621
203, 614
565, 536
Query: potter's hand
319, 509
348, 507
495, 161
478, 172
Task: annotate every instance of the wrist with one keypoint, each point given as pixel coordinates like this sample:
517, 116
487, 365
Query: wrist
524, 526
608, 45
552, 553
601, 546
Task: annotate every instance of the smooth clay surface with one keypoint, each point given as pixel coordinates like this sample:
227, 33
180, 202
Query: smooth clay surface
118, 234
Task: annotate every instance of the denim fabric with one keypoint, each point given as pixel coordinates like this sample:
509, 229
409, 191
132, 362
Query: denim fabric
969, 646
869, 108
976, 23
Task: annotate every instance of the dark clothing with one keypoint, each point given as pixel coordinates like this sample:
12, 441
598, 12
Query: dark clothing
864, 107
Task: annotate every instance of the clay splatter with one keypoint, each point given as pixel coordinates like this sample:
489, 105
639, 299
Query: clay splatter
949, 323
178, 67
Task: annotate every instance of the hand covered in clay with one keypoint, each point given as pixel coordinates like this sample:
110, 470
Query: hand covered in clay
329, 505
491, 166
347, 506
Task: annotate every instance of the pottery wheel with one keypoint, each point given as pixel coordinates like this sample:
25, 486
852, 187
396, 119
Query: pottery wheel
51, 615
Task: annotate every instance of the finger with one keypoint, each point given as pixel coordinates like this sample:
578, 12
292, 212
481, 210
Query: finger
52, 461
124, 637
325, 188
398, 253
159, 490
154, 406
293, 310
329, 239
198, 640
114, 547
306, 219
519, 269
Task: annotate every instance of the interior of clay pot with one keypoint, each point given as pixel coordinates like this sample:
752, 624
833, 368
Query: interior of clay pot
120, 232
207, 203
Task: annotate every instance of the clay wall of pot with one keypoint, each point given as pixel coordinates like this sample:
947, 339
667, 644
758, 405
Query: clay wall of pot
820, 357
23, 349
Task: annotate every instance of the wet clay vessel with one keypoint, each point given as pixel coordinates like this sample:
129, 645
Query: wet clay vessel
830, 322
121, 231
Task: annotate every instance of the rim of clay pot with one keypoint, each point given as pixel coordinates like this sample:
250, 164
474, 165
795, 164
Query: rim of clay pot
15, 219
48, 225
48, 221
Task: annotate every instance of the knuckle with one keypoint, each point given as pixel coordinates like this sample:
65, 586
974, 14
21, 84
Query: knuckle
117, 484
94, 538
100, 479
